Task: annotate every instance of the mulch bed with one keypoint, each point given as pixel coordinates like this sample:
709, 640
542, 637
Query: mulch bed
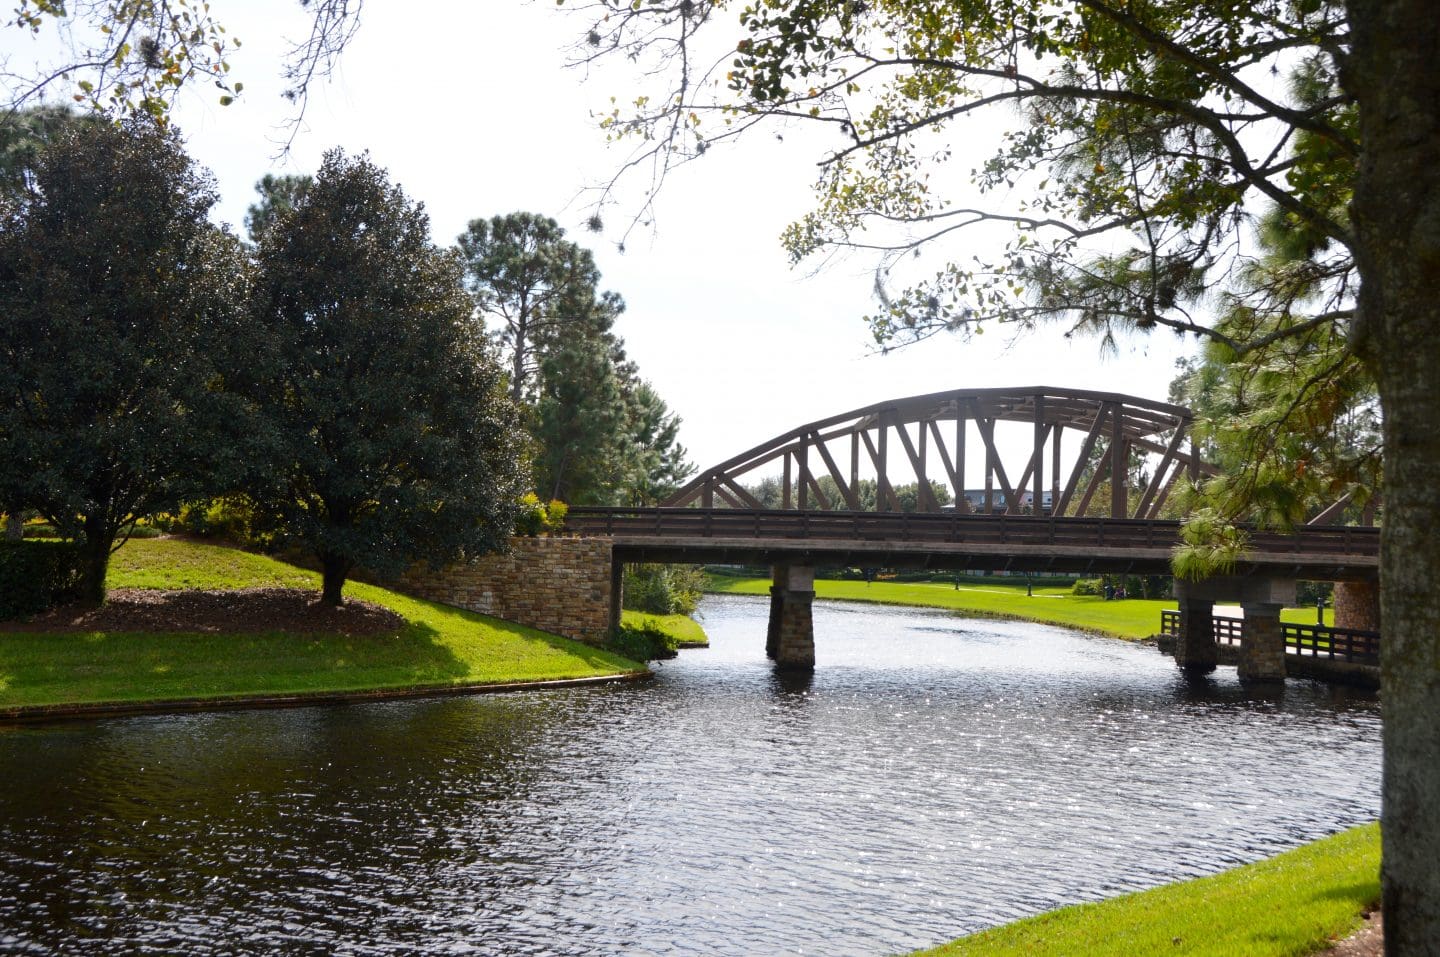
244, 610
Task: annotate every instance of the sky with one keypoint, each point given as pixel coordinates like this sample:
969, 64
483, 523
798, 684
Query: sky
471, 109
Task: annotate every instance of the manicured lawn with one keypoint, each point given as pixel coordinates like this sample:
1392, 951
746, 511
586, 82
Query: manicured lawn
172, 563
685, 630
1292, 904
1127, 618
438, 646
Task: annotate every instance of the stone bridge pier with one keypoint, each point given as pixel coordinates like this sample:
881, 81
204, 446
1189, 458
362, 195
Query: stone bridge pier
790, 637
1262, 654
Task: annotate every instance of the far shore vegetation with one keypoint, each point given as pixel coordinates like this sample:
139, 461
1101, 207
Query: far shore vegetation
1296, 903
435, 647
998, 597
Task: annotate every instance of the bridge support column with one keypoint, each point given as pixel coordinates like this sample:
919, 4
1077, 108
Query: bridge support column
1357, 605
1195, 650
617, 597
790, 638
779, 576
1262, 653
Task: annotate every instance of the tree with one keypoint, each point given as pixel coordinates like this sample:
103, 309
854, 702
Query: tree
122, 306
1289, 445
391, 439
279, 195
539, 287
133, 57
23, 134
662, 464
602, 436
581, 422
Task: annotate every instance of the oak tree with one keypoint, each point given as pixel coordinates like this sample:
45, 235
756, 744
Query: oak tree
391, 438
124, 309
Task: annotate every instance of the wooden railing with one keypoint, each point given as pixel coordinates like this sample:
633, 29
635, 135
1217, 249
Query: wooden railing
1347, 644
1316, 641
954, 528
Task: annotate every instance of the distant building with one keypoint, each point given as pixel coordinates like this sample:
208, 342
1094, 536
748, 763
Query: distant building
975, 498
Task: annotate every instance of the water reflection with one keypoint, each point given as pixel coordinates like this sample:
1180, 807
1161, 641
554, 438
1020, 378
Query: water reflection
934, 775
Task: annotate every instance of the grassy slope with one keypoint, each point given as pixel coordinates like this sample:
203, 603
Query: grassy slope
438, 646
1292, 904
686, 631
1130, 618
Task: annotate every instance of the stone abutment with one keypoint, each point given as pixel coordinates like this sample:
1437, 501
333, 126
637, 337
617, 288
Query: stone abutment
564, 585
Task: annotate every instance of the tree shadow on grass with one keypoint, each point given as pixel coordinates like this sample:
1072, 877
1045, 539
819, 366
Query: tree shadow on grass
434, 645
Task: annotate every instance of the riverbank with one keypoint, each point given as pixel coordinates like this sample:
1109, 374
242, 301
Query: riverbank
425, 648
1299, 902
1005, 598
686, 631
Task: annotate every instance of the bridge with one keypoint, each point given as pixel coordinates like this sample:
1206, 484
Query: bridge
1093, 474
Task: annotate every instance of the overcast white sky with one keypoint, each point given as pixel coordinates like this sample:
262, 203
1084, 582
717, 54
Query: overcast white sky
469, 107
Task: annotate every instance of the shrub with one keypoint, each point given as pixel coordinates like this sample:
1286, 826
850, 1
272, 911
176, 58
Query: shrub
1088, 586
35, 576
643, 642
1149, 586
1308, 593
538, 518
231, 518
663, 589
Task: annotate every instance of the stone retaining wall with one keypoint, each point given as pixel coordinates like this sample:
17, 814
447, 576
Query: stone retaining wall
559, 585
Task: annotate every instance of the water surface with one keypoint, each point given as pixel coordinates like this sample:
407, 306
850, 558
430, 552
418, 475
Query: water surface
935, 776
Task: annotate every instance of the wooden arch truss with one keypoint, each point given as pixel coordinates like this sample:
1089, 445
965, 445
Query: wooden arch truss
946, 436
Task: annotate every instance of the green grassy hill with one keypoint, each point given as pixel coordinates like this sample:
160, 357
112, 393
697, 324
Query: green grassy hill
437, 646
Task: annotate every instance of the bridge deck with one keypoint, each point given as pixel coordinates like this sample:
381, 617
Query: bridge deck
929, 540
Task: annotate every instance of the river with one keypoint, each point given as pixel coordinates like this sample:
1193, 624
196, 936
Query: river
935, 776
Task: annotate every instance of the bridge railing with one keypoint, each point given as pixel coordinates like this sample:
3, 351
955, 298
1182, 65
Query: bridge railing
955, 528
1316, 641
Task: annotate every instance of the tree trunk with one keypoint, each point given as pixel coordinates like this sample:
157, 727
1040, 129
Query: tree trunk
334, 572
517, 361
1394, 73
95, 562
15, 526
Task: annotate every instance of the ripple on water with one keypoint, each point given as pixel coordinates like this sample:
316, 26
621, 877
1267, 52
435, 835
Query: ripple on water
934, 776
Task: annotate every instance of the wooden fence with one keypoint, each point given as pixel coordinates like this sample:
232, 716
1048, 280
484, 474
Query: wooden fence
1317, 641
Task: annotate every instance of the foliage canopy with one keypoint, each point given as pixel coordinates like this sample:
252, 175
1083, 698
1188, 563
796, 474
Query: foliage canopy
123, 307
389, 436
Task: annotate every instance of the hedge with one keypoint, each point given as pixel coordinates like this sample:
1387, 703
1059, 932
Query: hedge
35, 576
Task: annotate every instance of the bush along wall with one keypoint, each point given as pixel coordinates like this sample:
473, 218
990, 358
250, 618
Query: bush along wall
663, 589
36, 576
643, 643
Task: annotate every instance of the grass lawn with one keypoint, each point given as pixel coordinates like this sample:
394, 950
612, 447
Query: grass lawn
1128, 618
438, 646
1292, 904
685, 630
172, 563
